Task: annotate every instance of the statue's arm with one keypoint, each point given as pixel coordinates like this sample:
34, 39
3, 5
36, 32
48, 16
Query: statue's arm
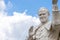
54, 1
55, 14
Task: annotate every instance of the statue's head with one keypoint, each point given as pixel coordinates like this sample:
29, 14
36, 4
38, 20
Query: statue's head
43, 14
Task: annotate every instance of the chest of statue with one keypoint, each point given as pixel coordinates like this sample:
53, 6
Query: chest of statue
44, 34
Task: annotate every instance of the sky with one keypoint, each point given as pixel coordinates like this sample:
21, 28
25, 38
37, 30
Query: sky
17, 16
31, 6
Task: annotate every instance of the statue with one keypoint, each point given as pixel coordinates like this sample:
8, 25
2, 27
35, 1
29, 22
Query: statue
30, 33
48, 30
54, 1
56, 14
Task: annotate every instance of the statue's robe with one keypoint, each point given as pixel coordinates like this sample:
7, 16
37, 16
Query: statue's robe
47, 32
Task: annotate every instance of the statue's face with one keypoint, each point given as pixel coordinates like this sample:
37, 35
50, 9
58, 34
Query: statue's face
43, 16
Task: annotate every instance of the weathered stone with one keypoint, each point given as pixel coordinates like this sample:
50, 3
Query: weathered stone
54, 1
48, 30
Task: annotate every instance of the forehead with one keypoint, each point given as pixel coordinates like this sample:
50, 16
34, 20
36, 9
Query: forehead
43, 12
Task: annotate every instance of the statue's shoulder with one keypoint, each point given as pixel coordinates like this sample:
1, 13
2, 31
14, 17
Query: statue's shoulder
49, 23
40, 26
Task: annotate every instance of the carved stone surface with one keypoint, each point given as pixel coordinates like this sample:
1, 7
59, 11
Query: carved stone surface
44, 34
54, 1
55, 13
48, 30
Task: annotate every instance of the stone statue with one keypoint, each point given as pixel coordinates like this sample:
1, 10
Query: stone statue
30, 33
54, 1
56, 14
47, 30
56, 17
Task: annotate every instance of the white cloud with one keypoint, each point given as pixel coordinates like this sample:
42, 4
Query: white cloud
2, 5
2, 8
15, 27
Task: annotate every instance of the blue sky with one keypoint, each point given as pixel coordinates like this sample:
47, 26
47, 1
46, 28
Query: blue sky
31, 6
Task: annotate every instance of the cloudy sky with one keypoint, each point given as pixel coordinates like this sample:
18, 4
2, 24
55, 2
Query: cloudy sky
16, 17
